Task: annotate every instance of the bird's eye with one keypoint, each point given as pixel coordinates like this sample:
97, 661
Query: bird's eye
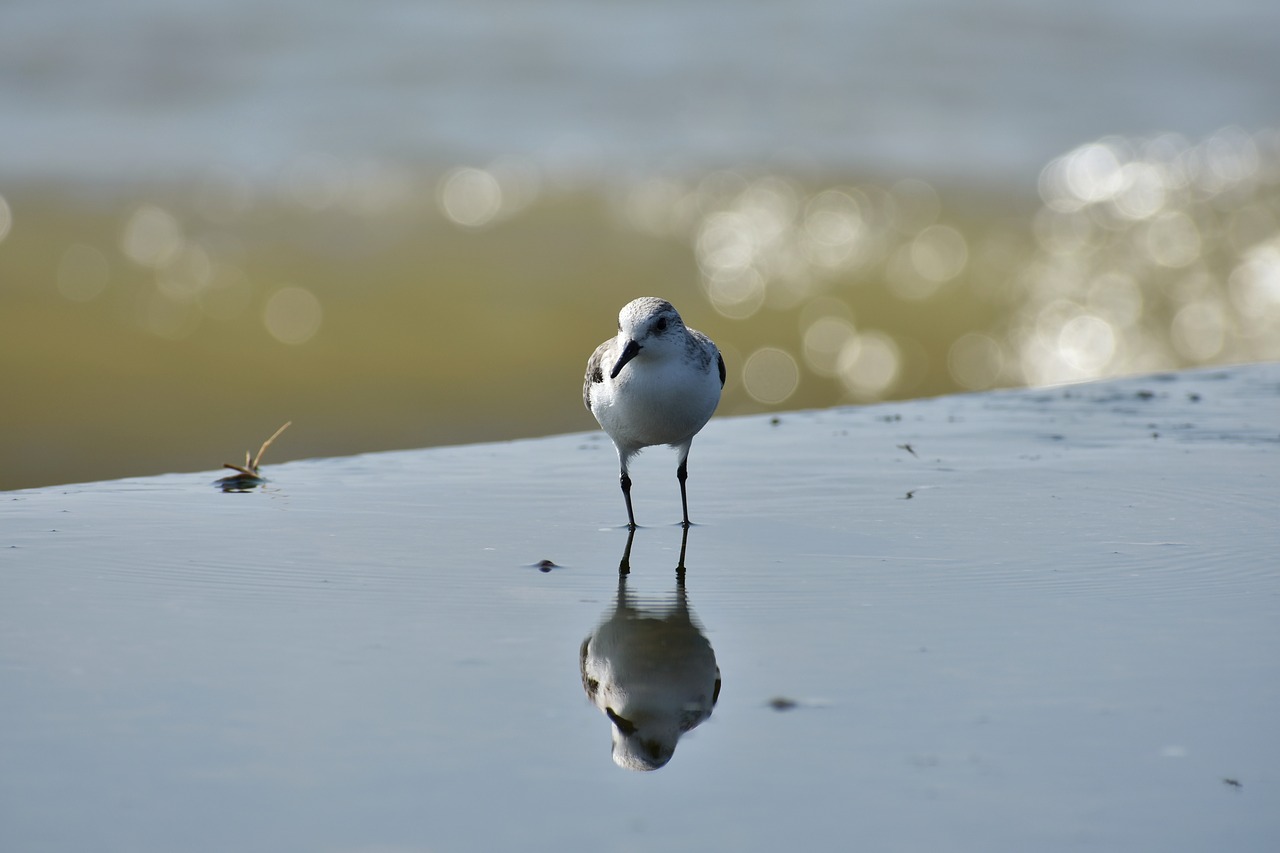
661, 325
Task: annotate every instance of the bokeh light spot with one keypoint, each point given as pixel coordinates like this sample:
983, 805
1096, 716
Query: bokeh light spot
833, 227
1116, 297
869, 364
151, 236
1092, 172
939, 253
1087, 343
470, 197
975, 361
1173, 240
736, 294
824, 340
1142, 194
185, 273
1199, 330
1255, 283
293, 315
770, 375
725, 244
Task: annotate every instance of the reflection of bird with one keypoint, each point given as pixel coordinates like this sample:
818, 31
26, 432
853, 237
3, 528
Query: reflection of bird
649, 668
656, 382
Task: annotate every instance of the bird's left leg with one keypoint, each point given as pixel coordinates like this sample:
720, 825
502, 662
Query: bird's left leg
682, 474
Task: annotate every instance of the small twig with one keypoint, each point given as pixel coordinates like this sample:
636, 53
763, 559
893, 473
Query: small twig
263, 449
251, 463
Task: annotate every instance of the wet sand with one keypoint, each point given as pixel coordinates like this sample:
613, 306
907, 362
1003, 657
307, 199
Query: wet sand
1022, 620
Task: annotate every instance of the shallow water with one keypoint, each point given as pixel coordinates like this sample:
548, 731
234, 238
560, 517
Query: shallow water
1051, 623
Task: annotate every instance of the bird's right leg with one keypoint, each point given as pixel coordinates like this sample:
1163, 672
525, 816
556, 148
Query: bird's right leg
626, 495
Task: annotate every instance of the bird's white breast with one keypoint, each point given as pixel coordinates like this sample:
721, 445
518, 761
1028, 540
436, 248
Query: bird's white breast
657, 401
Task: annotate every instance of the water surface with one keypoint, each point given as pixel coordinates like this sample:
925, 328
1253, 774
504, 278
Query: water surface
1019, 620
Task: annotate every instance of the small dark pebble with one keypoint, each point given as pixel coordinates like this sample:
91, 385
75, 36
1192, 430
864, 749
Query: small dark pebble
1145, 395
775, 421
782, 703
239, 483
1193, 397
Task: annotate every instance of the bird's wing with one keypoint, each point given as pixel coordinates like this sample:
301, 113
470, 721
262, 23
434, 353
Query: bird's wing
595, 373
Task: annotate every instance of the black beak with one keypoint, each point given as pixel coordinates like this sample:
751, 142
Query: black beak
628, 352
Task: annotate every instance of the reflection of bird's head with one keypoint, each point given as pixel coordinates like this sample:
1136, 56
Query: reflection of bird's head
637, 748
654, 675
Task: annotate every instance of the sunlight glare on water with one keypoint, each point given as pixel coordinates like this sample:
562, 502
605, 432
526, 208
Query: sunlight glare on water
1145, 254
1141, 255
1132, 233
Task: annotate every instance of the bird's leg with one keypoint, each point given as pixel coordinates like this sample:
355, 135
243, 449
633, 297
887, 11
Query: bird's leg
626, 495
682, 474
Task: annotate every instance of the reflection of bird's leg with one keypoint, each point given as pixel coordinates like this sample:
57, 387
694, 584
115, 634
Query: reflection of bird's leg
684, 541
620, 606
624, 565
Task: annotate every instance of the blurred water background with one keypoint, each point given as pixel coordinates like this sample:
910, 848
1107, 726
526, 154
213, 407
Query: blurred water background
402, 223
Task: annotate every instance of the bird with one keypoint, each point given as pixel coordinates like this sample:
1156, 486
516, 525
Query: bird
656, 382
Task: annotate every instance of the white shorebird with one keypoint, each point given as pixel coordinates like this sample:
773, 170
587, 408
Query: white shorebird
656, 382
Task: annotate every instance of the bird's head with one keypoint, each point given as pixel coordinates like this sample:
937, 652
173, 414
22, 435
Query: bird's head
647, 324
